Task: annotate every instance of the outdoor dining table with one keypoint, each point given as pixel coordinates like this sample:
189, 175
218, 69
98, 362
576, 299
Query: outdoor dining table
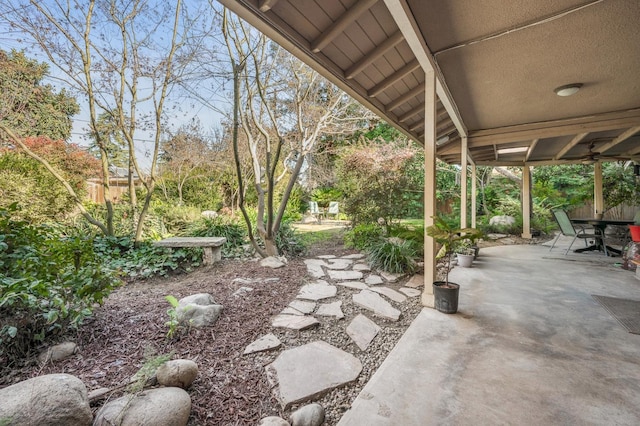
599, 226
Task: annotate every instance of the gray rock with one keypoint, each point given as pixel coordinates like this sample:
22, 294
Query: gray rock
242, 292
415, 281
354, 256
210, 214
52, 399
58, 352
327, 256
265, 343
177, 373
362, 331
502, 220
294, 322
309, 415
389, 277
317, 291
331, 310
345, 275
311, 370
362, 267
410, 292
359, 285
373, 280
315, 270
158, 407
273, 262
291, 311
273, 421
339, 264
303, 306
316, 262
390, 293
198, 310
376, 304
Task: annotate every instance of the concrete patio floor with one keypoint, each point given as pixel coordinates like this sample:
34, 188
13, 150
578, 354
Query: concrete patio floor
528, 346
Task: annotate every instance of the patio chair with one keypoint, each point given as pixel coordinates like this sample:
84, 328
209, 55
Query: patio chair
569, 230
333, 209
314, 210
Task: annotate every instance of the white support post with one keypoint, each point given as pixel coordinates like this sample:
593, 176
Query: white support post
463, 183
474, 177
598, 197
429, 186
526, 202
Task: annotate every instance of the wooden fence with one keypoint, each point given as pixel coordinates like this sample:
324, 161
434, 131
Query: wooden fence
621, 212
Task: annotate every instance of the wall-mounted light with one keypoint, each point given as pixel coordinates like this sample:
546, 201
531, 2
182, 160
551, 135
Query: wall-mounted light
513, 150
568, 90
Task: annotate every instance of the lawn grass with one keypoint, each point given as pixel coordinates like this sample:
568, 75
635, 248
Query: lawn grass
417, 223
310, 237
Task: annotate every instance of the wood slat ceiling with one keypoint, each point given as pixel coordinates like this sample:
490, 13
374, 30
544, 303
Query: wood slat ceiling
499, 63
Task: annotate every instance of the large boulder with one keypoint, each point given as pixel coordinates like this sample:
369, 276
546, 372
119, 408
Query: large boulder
58, 352
53, 399
502, 220
157, 407
198, 310
178, 372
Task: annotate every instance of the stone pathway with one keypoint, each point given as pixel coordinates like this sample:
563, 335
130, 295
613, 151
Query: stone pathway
309, 371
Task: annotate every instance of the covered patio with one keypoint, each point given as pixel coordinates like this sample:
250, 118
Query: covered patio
529, 346
478, 83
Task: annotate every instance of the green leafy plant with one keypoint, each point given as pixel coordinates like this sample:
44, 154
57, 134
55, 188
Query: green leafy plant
221, 226
392, 255
148, 369
449, 238
173, 322
363, 235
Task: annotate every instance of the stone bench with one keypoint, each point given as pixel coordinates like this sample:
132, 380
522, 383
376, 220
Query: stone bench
212, 246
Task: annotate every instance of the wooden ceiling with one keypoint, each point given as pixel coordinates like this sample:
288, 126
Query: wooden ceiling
497, 65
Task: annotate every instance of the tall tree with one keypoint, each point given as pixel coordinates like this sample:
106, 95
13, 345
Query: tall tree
282, 108
123, 57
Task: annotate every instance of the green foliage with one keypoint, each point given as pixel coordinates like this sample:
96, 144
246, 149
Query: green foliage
27, 106
363, 235
148, 369
288, 241
178, 219
144, 260
49, 283
392, 255
325, 195
412, 234
173, 316
222, 226
378, 182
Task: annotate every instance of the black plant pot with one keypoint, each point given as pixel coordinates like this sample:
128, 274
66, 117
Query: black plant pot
446, 297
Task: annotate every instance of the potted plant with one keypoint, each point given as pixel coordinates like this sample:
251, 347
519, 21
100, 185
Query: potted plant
446, 293
465, 252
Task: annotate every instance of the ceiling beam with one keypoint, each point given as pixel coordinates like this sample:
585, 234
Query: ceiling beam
346, 19
374, 54
406, 97
401, 13
393, 78
549, 129
531, 148
621, 138
573, 142
414, 111
266, 5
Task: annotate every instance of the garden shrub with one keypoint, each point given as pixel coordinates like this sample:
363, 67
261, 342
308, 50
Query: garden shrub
392, 255
221, 226
49, 283
288, 241
363, 235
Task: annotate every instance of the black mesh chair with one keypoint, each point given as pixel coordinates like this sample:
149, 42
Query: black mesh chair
569, 230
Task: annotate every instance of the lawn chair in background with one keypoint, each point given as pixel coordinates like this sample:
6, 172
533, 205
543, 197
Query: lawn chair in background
569, 230
333, 209
315, 211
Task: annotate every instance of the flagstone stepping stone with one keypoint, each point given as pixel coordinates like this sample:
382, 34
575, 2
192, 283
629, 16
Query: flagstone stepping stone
390, 293
358, 285
362, 331
331, 310
265, 343
320, 282
311, 370
354, 256
345, 275
318, 262
363, 267
372, 301
339, 264
291, 311
392, 278
294, 322
303, 306
315, 269
373, 280
317, 291
327, 256
410, 292
416, 281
